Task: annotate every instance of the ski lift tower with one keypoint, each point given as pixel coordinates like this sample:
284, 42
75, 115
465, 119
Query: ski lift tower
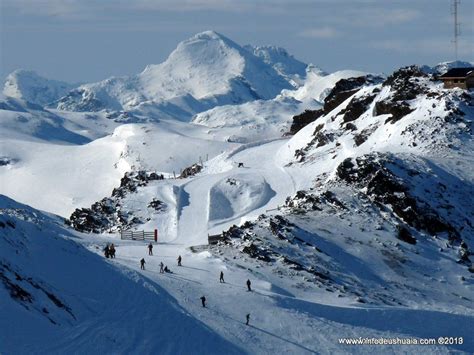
457, 27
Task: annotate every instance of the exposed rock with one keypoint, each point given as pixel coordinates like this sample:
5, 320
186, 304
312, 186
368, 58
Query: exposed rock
404, 235
190, 171
398, 110
303, 119
108, 214
384, 187
345, 88
406, 84
356, 107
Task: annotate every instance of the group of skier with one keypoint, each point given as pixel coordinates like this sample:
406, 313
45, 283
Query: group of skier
164, 269
109, 252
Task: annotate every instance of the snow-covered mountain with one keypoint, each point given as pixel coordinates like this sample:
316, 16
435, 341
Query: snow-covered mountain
367, 206
344, 198
204, 71
442, 68
29, 86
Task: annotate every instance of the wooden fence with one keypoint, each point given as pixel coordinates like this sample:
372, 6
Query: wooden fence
139, 235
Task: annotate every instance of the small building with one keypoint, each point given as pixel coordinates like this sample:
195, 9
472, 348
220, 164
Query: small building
458, 78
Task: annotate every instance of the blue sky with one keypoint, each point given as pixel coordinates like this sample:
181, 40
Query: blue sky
90, 40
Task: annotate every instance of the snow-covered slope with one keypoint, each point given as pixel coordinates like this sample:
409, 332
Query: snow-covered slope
266, 119
56, 297
359, 225
24, 120
164, 147
253, 121
202, 72
284, 63
28, 85
317, 84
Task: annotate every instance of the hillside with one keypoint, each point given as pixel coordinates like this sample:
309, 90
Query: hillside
344, 198
92, 306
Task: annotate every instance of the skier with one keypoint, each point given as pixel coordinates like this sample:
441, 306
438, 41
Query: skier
167, 270
179, 260
142, 264
150, 249
107, 251
112, 251
221, 278
161, 268
203, 300
248, 285
248, 318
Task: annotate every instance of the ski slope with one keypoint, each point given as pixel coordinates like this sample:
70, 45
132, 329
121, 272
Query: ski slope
209, 204
325, 257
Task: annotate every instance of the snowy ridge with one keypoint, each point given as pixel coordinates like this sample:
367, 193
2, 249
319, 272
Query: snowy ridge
204, 71
284, 63
442, 68
29, 86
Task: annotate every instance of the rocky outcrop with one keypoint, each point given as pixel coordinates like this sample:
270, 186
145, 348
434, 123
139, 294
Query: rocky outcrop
190, 171
406, 84
382, 185
305, 118
356, 107
109, 214
345, 88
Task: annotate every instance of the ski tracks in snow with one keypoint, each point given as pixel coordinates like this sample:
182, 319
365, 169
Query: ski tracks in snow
193, 198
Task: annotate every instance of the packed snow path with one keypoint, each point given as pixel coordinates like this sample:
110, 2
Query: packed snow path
200, 206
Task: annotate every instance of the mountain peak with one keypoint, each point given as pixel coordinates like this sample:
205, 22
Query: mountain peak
30, 86
209, 35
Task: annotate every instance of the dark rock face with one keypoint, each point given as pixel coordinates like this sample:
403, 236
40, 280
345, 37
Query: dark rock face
384, 187
246, 239
405, 85
356, 107
303, 198
108, 214
321, 139
122, 116
303, 119
132, 180
398, 110
345, 88
404, 235
191, 171
361, 137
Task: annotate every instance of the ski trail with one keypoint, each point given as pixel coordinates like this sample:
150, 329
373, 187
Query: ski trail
194, 197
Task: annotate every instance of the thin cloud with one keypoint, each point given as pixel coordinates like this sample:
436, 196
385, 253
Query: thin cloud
373, 16
322, 33
441, 46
